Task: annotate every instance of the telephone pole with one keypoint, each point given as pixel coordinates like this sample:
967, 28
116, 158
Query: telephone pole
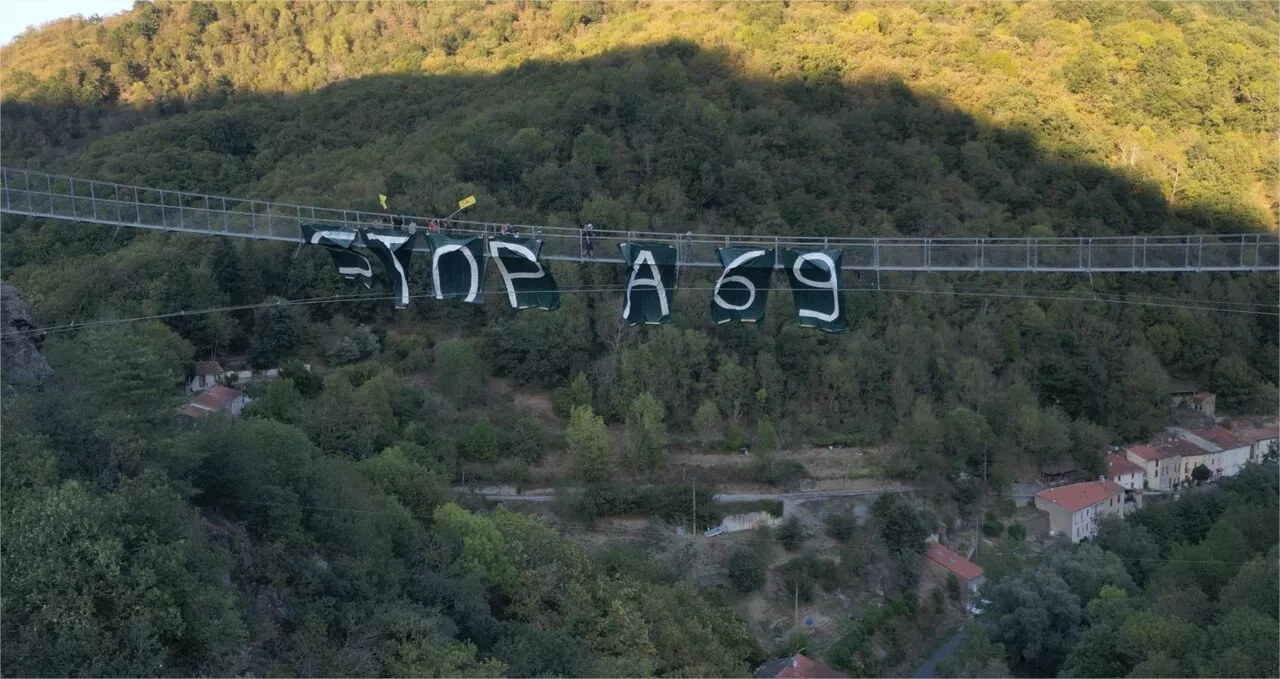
796, 623
695, 509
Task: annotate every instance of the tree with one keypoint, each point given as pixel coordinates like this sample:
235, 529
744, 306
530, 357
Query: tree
528, 440
1239, 388
277, 331
732, 387
416, 487
1201, 473
1036, 617
791, 534
841, 527
978, 657
482, 549
482, 441
576, 393
306, 382
707, 423
113, 584
279, 401
1243, 644
646, 434
746, 570
589, 448
459, 374
766, 437
1137, 400
1087, 569
1259, 575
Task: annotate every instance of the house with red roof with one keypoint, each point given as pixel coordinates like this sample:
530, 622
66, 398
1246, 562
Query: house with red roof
1129, 475
207, 374
1260, 439
1077, 509
1162, 460
943, 562
216, 399
1222, 452
798, 666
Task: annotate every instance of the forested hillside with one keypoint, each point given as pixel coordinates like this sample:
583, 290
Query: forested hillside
317, 537
1183, 589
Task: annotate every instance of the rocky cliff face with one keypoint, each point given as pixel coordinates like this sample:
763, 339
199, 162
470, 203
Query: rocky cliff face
20, 357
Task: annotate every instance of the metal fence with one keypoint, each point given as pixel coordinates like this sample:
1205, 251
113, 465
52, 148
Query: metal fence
39, 194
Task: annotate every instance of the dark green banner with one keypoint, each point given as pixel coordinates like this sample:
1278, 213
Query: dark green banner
338, 241
457, 268
742, 291
815, 287
650, 284
393, 248
529, 284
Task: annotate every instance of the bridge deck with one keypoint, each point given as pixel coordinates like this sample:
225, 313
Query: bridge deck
39, 194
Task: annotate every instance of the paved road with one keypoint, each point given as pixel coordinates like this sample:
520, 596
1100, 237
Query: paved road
930, 667
801, 496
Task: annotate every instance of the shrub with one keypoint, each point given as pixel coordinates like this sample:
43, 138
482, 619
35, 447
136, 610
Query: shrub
459, 373
746, 570
528, 439
571, 395
773, 472
766, 437
1017, 531
841, 527
482, 441
791, 534
797, 582
733, 440
992, 527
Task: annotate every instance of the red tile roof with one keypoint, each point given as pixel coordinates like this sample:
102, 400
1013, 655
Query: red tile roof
1159, 450
1251, 435
213, 399
1220, 437
1146, 452
798, 667
1119, 464
208, 368
963, 568
1077, 496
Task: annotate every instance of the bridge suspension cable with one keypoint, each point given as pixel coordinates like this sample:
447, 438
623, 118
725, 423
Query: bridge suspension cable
39, 194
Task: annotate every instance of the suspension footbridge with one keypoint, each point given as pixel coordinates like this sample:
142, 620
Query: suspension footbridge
75, 199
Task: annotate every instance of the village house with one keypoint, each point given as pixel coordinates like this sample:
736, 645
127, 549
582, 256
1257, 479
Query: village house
944, 562
216, 399
1223, 452
1189, 397
1162, 461
1077, 509
1259, 439
1130, 476
798, 666
210, 373
207, 375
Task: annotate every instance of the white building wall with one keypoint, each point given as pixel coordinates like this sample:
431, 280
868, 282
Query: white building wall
1233, 459
1132, 481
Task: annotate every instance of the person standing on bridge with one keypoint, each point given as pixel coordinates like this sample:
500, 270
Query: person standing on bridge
588, 240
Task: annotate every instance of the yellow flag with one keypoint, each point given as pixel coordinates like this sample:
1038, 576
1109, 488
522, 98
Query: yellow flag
466, 202
382, 199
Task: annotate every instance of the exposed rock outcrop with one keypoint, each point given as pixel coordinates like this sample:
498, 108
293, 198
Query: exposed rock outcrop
20, 358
